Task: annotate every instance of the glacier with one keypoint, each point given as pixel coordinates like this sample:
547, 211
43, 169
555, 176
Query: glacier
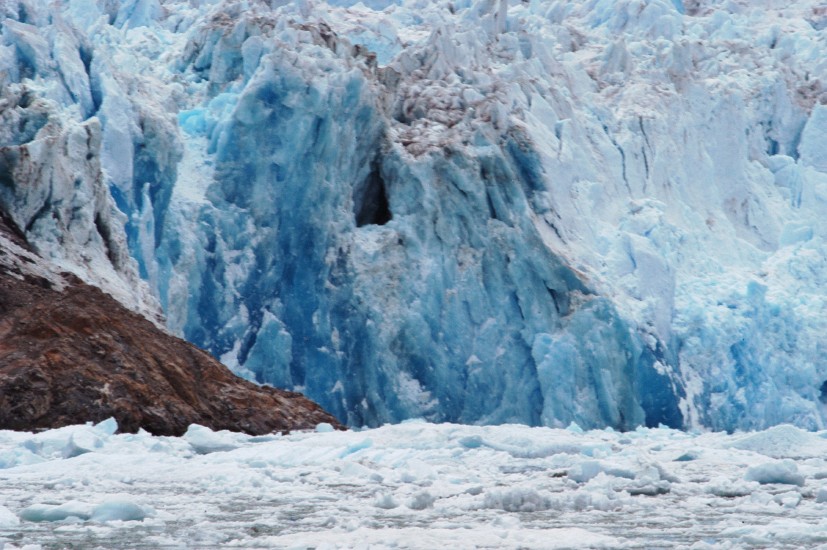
606, 212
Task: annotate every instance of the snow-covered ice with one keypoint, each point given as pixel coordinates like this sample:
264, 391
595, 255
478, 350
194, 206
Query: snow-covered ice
415, 485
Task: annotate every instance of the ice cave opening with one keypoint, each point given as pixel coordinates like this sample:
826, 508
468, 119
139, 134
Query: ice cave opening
370, 201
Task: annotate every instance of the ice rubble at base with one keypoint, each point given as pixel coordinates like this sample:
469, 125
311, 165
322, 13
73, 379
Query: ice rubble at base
415, 485
606, 212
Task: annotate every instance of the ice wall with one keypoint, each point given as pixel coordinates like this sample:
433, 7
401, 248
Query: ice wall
607, 212
386, 276
52, 153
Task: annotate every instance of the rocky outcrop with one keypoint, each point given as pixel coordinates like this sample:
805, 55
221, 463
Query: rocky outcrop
69, 353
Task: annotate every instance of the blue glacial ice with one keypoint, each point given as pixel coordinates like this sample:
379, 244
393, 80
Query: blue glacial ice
601, 213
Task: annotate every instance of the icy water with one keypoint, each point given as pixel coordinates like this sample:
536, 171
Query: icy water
414, 485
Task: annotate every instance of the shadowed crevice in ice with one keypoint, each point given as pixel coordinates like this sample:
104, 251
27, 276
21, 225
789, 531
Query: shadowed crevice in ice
370, 200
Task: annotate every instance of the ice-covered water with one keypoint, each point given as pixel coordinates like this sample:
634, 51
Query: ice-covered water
414, 485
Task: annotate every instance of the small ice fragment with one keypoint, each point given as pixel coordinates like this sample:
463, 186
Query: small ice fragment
81, 442
650, 488
354, 469
784, 471
422, 500
782, 441
651, 481
666, 475
517, 499
585, 471
727, 488
471, 442
118, 510
364, 444
688, 456
19, 456
324, 428
7, 518
386, 501
204, 441
790, 499
51, 512
108, 426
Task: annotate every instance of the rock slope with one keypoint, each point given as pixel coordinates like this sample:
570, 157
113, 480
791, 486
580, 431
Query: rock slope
69, 353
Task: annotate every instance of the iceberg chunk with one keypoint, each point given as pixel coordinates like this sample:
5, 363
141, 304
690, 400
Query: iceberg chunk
783, 472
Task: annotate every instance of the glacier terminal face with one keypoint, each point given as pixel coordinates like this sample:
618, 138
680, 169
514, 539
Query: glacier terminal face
606, 212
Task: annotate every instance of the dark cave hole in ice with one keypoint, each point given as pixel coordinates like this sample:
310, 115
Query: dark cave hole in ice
370, 204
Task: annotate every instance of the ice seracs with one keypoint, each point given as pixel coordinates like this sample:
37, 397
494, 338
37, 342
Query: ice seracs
614, 208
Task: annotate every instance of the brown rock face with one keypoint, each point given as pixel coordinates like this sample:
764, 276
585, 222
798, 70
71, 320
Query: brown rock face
75, 355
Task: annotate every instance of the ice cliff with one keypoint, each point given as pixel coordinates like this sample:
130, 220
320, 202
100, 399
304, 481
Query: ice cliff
601, 212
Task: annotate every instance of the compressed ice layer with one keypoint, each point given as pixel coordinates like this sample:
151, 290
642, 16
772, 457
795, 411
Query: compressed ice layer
541, 212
